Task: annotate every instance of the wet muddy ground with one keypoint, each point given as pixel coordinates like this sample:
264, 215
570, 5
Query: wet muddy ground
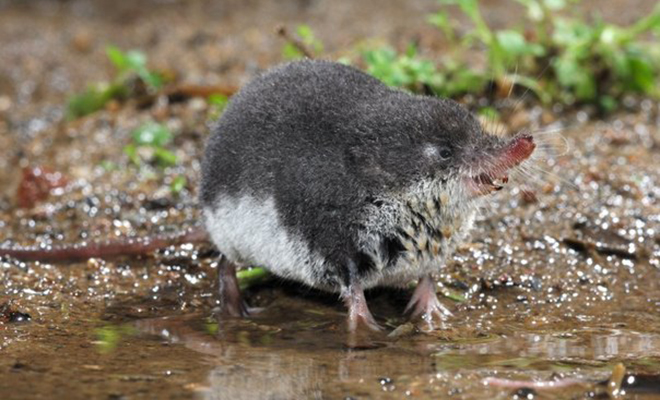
559, 282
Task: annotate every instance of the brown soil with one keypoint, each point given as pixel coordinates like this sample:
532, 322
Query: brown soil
561, 283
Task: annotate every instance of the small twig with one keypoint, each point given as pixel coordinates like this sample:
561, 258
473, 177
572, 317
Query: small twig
589, 248
182, 92
104, 249
616, 380
188, 90
296, 42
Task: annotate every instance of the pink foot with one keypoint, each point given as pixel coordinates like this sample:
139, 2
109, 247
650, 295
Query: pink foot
425, 304
231, 301
358, 311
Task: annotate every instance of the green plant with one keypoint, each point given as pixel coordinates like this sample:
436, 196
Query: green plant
178, 184
130, 65
92, 99
133, 62
109, 337
217, 103
566, 59
305, 41
148, 144
412, 72
406, 70
559, 58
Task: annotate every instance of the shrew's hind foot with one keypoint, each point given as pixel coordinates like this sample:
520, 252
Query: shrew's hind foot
358, 310
425, 305
231, 301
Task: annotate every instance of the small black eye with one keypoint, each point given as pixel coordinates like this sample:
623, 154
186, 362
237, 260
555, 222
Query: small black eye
445, 153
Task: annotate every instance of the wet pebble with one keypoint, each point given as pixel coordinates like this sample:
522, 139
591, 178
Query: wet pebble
9, 315
17, 316
403, 330
385, 380
524, 393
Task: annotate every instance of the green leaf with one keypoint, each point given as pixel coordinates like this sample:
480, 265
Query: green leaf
151, 134
218, 100
454, 295
178, 184
441, 20
643, 75
534, 9
607, 103
108, 165
131, 151
132, 60
649, 23
211, 326
344, 60
94, 98
554, 5
305, 32
411, 51
291, 52
136, 60
611, 35
164, 157
489, 113
109, 336
306, 35
514, 43
117, 57
85, 103
250, 277
572, 34
463, 80
218, 103
153, 79
572, 74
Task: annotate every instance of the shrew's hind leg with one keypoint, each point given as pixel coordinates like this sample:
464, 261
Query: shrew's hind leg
231, 302
425, 304
353, 296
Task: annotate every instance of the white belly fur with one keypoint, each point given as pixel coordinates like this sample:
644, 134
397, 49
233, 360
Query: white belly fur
249, 232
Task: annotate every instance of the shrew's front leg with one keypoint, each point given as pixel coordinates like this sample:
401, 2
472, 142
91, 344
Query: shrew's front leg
425, 304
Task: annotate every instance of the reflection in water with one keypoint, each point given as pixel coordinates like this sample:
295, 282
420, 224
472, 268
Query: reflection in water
253, 360
601, 345
256, 359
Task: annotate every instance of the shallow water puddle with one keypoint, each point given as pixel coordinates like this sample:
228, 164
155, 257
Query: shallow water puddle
297, 348
266, 360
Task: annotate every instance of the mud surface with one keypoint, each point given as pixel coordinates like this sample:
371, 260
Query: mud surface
558, 284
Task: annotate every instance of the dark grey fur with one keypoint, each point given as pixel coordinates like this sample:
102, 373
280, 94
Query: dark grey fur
325, 140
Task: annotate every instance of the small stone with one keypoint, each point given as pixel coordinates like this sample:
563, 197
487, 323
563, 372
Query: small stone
82, 42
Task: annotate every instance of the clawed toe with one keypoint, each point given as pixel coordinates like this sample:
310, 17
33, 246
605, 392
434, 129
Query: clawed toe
234, 310
357, 320
425, 304
358, 311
